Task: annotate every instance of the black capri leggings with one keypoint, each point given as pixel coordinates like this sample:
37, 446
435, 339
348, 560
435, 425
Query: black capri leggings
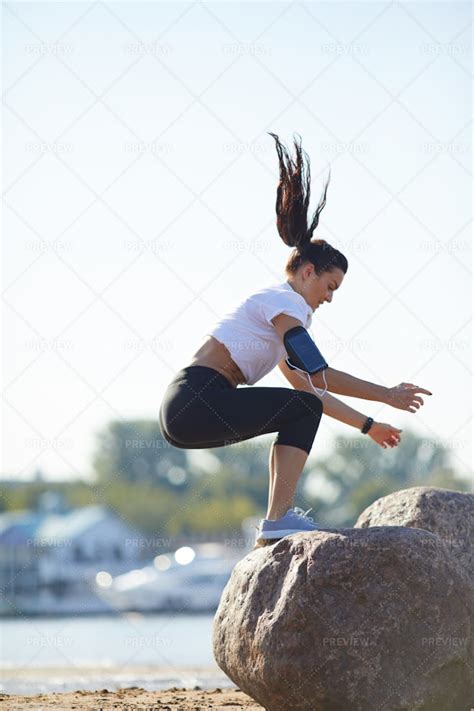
201, 409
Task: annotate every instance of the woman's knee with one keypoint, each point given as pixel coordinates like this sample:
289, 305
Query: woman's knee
311, 402
167, 430
311, 418
301, 430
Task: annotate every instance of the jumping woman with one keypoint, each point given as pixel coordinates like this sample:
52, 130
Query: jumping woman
203, 406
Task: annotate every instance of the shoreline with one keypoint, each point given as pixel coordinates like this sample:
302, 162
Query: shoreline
114, 678
136, 699
137, 688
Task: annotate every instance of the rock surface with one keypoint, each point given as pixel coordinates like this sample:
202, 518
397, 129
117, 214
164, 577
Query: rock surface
359, 618
449, 514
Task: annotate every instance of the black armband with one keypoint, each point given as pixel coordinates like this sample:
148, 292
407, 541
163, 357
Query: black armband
303, 351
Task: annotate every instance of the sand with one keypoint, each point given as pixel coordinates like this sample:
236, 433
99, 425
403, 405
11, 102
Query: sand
134, 698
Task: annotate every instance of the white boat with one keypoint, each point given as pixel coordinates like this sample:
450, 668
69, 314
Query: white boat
187, 579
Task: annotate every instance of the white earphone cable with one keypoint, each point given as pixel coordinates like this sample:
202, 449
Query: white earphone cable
318, 391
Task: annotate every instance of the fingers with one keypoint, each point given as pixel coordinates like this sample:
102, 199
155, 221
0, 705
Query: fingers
389, 436
416, 403
393, 438
389, 442
417, 388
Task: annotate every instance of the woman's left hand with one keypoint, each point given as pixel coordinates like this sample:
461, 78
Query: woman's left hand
404, 397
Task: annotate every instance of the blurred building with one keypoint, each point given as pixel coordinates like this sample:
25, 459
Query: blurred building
50, 557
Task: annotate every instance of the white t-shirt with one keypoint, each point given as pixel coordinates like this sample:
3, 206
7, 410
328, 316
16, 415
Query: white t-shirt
249, 335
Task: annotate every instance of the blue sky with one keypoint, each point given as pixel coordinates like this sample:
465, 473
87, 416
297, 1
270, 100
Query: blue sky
140, 188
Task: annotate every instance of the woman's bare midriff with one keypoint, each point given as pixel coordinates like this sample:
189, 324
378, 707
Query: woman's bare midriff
215, 355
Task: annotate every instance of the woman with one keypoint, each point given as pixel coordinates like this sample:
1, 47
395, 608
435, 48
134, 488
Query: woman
203, 407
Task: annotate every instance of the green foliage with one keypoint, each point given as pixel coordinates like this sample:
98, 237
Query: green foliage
367, 492
216, 501
20, 495
150, 509
243, 469
135, 451
362, 472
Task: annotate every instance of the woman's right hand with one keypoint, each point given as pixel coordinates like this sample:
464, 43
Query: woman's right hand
385, 435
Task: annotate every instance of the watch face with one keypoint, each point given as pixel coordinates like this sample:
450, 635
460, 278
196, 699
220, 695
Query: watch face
367, 425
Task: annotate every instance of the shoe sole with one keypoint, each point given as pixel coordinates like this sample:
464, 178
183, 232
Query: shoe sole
286, 532
261, 543
265, 541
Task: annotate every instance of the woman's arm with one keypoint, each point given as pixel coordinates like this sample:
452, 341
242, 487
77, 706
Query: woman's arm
342, 412
382, 433
345, 384
337, 382
403, 396
331, 405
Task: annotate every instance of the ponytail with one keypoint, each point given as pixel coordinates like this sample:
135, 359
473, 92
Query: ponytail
293, 194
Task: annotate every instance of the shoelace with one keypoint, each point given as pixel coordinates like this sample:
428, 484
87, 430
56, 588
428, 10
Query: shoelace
302, 513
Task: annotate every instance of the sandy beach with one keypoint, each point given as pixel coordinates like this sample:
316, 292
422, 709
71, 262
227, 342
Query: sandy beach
134, 698
128, 688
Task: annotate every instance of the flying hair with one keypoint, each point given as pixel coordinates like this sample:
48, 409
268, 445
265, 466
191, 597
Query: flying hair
292, 203
293, 195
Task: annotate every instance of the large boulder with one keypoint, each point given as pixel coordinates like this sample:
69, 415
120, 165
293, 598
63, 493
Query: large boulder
364, 619
449, 514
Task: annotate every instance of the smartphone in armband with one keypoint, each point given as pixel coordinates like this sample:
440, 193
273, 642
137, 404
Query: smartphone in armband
302, 351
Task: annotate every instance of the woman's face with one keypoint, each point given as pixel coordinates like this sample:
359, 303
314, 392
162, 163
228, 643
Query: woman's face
317, 289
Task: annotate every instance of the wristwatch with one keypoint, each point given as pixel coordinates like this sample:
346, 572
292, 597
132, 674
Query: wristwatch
367, 425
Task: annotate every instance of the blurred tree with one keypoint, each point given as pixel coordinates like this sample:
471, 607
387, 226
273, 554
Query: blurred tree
135, 451
240, 468
25, 496
160, 512
224, 485
360, 471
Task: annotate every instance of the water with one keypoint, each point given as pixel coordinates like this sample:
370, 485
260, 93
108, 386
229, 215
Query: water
155, 652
